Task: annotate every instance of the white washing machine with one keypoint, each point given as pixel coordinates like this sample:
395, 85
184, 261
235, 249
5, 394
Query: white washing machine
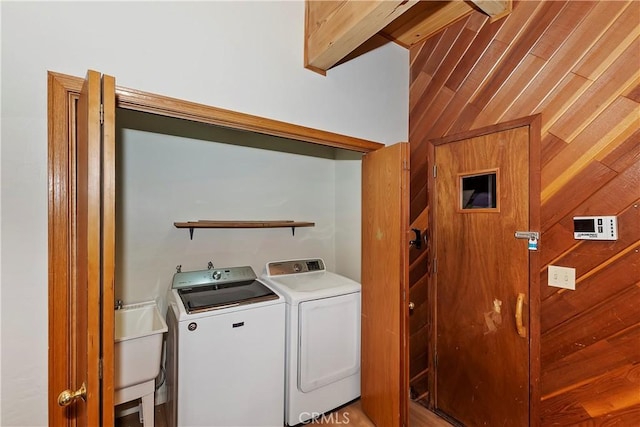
225, 350
322, 339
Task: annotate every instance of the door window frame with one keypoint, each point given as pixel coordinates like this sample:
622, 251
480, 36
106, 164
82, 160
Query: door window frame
472, 174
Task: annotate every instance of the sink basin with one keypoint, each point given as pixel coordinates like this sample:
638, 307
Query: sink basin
138, 343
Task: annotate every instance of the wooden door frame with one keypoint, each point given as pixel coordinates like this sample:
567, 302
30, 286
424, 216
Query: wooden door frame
534, 124
61, 247
63, 96
63, 92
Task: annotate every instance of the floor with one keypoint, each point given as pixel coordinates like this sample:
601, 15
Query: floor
353, 416
350, 415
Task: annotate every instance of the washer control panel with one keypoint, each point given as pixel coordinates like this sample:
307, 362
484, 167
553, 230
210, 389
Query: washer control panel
188, 279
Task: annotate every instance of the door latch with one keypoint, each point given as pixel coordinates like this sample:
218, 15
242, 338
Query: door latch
531, 236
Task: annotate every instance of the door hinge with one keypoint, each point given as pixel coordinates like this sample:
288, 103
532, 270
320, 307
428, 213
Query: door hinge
101, 114
100, 369
435, 265
405, 166
435, 171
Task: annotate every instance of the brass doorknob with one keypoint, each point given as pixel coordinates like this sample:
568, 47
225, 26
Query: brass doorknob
411, 306
67, 397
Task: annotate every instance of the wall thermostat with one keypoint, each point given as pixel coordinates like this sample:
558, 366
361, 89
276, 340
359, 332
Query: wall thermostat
595, 228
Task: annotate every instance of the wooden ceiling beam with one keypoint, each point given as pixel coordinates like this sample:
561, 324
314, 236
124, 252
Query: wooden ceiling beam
425, 20
333, 29
496, 9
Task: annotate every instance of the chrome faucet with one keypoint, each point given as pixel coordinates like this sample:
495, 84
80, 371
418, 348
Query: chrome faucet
118, 304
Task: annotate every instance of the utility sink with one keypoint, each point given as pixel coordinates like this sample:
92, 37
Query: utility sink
138, 343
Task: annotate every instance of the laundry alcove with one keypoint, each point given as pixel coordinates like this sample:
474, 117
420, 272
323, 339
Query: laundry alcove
170, 170
384, 189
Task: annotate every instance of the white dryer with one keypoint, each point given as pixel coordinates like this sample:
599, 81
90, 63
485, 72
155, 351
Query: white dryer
322, 352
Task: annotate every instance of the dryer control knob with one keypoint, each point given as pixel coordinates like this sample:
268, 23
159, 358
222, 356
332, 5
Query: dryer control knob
216, 275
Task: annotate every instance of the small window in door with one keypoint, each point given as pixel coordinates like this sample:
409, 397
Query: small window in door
478, 191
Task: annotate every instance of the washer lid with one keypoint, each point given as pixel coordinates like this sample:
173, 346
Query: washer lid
217, 288
218, 296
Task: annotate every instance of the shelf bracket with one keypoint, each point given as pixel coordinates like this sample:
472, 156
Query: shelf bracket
191, 233
293, 231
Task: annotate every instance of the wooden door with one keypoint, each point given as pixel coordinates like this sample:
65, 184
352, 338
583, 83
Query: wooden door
481, 200
385, 313
82, 224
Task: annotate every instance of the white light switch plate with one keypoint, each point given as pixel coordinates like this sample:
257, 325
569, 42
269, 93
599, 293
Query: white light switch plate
562, 277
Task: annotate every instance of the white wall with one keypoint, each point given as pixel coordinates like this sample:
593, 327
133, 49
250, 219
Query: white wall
170, 170
244, 56
348, 216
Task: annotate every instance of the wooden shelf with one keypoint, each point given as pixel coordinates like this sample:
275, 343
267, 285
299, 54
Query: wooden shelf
191, 225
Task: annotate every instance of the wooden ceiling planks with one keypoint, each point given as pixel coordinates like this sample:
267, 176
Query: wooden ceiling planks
572, 49
538, 26
504, 97
602, 135
576, 303
624, 155
576, 64
592, 177
599, 95
590, 326
614, 382
616, 195
610, 46
567, 373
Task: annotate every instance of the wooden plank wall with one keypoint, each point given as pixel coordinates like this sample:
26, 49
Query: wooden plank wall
578, 65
